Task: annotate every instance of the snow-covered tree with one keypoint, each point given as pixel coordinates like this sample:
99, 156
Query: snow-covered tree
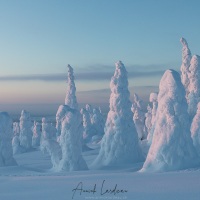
89, 109
88, 131
60, 115
185, 71
16, 128
139, 116
153, 99
6, 152
98, 122
46, 130
25, 130
120, 142
195, 130
70, 98
148, 117
71, 142
194, 85
36, 134
172, 147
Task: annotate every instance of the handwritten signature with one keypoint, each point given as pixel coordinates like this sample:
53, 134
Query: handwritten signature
103, 191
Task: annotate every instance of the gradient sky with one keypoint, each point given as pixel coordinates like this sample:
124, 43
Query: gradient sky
38, 38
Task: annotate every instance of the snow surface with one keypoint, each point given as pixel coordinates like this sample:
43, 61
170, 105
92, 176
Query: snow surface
32, 179
172, 146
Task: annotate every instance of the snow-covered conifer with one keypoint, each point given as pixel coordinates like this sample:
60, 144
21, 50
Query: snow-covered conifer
194, 85
25, 130
172, 147
185, 71
120, 142
70, 141
70, 98
195, 130
6, 152
16, 128
36, 134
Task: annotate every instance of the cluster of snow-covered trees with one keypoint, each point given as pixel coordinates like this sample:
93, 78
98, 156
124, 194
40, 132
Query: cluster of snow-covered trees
169, 127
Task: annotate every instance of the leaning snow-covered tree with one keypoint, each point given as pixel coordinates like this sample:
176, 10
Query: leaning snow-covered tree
172, 147
195, 130
185, 71
70, 98
6, 152
194, 85
25, 130
120, 142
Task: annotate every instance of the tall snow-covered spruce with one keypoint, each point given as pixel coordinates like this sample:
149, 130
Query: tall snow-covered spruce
194, 85
120, 143
6, 152
172, 147
186, 58
70, 98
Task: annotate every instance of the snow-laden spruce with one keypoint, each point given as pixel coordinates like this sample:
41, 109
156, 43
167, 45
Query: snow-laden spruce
194, 85
195, 130
185, 71
139, 116
148, 117
6, 152
120, 142
16, 129
70, 98
172, 147
25, 130
89, 109
71, 142
153, 99
98, 122
36, 134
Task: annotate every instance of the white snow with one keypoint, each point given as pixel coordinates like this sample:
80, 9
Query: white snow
36, 134
120, 142
172, 147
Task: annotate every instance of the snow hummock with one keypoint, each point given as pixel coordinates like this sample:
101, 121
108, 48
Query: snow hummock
120, 143
71, 142
172, 147
6, 152
195, 130
25, 130
186, 58
194, 86
70, 98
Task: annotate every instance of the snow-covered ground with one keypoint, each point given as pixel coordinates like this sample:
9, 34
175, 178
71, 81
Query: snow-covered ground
32, 179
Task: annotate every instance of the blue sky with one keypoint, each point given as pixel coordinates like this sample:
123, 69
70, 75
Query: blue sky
38, 38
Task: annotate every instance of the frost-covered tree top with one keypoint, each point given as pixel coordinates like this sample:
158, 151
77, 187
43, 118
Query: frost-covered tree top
120, 142
186, 57
70, 98
153, 97
172, 146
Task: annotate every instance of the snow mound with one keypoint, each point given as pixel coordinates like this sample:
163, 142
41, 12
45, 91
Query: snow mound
172, 147
120, 142
6, 152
